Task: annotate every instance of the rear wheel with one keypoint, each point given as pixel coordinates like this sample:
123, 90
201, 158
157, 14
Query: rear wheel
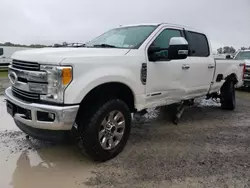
228, 100
105, 133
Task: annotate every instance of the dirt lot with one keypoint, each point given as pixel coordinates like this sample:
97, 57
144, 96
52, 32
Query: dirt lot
209, 148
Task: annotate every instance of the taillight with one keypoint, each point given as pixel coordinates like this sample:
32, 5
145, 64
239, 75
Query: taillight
244, 69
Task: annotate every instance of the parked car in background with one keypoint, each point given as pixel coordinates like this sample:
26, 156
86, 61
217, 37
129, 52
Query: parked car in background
3, 65
1, 55
5, 58
245, 55
1, 51
6, 52
93, 89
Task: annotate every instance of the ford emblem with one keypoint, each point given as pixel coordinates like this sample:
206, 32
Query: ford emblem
13, 77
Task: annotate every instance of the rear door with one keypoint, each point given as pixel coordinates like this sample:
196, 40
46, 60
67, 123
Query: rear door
202, 64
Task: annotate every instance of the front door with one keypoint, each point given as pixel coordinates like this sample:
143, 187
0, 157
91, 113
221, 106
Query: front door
166, 80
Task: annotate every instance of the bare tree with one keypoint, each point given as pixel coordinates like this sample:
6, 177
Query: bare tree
220, 50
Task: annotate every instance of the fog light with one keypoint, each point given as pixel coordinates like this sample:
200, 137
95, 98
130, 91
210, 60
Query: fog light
28, 114
45, 116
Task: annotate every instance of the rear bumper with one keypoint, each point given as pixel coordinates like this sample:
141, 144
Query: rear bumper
64, 116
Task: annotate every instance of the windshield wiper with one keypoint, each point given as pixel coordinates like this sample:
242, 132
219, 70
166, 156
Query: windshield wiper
105, 46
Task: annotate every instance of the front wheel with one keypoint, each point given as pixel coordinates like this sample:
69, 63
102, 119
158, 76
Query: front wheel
228, 96
105, 133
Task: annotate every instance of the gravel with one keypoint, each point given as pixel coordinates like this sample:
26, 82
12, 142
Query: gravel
209, 148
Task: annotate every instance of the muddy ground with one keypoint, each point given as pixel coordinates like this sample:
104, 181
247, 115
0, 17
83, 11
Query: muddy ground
209, 148
4, 83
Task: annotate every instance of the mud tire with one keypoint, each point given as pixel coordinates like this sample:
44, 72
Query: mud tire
88, 129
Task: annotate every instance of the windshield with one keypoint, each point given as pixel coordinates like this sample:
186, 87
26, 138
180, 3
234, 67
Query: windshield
124, 37
243, 55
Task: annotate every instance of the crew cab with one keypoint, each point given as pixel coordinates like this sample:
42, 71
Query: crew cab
93, 89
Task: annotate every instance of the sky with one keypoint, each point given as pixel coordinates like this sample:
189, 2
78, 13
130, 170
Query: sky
226, 22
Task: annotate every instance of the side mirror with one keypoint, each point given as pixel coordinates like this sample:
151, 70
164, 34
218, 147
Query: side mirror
153, 49
157, 53
1, 51
178, 48
228, 56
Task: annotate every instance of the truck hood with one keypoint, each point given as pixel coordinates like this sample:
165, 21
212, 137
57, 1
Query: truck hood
56, 55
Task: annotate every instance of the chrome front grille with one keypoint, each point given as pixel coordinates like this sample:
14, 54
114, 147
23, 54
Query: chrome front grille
24, 95
247, 69
24, 65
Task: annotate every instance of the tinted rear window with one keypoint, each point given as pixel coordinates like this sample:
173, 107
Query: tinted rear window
198, 44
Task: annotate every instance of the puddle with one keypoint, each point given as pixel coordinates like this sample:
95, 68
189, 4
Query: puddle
58, 166
28, 163
6, 121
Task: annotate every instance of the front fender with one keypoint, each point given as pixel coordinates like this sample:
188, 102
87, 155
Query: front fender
85, 82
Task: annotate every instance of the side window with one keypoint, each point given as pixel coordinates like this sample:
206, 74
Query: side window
198, 44
162, 41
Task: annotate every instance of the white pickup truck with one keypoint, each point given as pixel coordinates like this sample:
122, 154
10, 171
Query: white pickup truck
96, 87
244, 55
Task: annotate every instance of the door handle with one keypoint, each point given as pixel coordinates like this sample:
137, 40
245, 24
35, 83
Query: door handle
210, 66
185, 67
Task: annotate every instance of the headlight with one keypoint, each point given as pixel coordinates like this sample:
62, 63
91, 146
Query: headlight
58, 79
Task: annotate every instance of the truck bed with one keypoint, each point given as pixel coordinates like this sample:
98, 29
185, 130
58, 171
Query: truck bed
224, 68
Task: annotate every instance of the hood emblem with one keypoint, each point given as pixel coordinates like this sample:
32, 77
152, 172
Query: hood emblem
13, 77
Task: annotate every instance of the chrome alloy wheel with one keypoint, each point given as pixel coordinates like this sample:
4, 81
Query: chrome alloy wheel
111, 130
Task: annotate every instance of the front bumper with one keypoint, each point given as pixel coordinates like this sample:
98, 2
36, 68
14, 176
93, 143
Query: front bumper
63, 120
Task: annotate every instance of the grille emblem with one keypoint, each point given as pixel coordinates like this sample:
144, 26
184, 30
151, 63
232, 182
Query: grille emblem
13, 77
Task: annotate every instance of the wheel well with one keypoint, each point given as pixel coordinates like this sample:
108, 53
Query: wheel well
232, 78
104, 92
